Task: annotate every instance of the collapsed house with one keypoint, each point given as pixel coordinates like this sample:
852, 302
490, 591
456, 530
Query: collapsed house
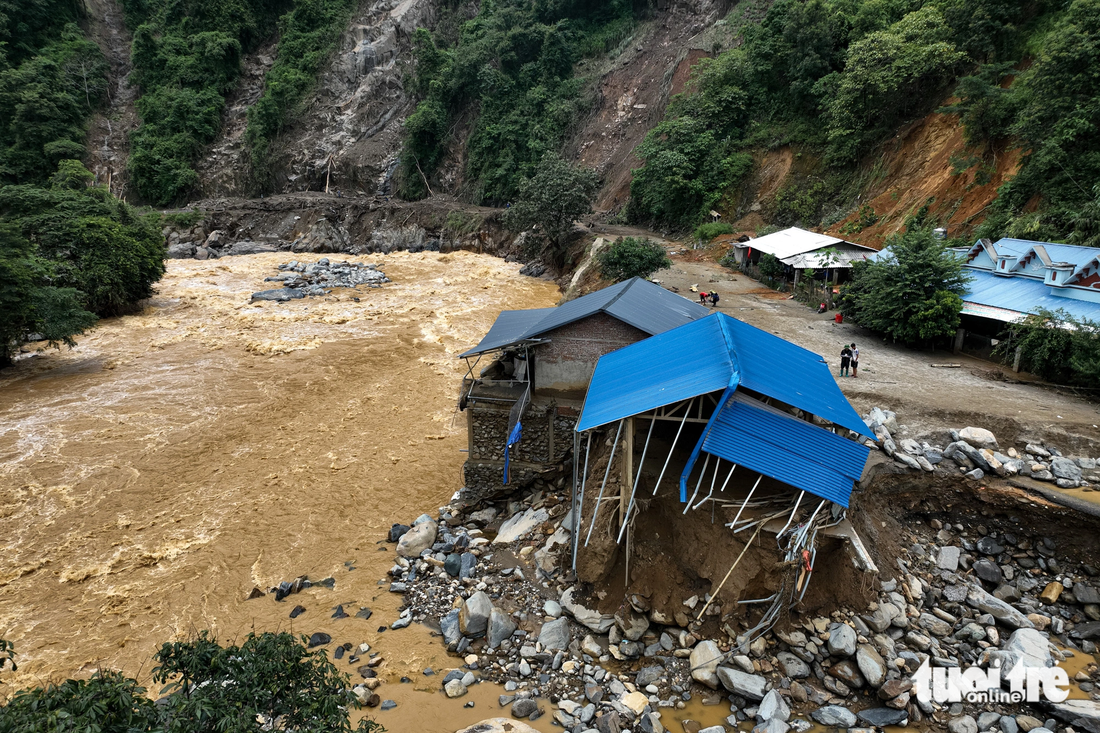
718, 416
521, 408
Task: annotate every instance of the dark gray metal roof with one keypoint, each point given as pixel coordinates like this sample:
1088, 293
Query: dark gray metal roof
636, 302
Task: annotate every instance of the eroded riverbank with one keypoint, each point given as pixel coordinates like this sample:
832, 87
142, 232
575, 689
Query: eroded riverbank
177, 458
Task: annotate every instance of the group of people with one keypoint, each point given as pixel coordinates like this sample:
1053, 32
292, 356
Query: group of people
849, 356
711, 296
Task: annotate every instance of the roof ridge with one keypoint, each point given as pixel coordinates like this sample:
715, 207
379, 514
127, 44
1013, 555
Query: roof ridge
629, 284
731, 349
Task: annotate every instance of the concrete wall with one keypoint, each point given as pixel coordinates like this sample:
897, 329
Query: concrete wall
567, 362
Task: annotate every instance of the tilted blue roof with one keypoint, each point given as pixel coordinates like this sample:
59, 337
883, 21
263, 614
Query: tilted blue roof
793, 451
710, 354
1020, 295
676, 365
636, 302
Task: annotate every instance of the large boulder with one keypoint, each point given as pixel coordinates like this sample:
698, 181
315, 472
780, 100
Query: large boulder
501, 627
421, 537
751, 686
1065, 468
871, 665
555, 635
499, 725
842, 640
704, 661
601, 623
979, 438
520, 526
773, 707
834, 716
473, 617
1000, 610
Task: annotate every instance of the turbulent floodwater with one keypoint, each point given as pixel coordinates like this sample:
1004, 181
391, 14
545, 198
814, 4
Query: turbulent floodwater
177, 458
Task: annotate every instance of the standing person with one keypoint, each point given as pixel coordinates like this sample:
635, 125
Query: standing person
845, 360
855, 361
714, 299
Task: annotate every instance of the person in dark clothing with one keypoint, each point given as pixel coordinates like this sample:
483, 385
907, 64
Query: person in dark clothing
845, 360
713, 298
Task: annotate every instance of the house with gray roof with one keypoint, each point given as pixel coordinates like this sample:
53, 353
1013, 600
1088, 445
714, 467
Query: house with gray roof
527, 377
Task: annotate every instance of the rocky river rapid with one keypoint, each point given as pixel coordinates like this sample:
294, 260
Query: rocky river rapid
177, 458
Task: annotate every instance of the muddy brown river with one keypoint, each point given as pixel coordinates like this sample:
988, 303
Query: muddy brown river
151, 477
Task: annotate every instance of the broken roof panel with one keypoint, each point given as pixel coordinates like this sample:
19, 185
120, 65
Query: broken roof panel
786, 448
712, 354
637, 302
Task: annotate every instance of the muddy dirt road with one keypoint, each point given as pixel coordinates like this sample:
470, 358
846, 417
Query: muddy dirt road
177, 458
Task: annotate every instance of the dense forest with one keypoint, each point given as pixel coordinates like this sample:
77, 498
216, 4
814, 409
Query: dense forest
834, 77
512, 69
69, 251
187, 58
838, 77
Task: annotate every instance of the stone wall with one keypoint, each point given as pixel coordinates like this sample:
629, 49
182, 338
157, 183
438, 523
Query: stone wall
546, 441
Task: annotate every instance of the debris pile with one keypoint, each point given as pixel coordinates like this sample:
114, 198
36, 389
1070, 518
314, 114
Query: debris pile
975, 453
960, 595
310, 279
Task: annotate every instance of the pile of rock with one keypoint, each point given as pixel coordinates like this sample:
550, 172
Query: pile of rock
963, 596
975, 453
310, 279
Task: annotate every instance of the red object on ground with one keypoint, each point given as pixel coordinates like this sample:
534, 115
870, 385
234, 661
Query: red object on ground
839, 318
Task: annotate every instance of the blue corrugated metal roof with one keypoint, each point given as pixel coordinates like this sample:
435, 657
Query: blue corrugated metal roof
686, 362
711, 354
1022, 295
777, 368
790, 450
637, 302
508, 328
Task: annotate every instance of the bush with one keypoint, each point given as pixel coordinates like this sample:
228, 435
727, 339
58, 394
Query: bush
712, 229
912, 294
209, 688
770, 267
307, 36
632, 257
1055, 346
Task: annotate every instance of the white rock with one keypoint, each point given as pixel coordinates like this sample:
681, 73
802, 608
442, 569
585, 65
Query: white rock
520, 526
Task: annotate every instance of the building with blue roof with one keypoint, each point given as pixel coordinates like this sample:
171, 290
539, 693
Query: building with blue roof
716, 414
1011, 278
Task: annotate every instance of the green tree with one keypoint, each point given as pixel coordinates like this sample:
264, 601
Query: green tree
210, 689
44, 105
888, 75
770, 267
92, 241
911, 293
1086, 222
632, 257
1055, 346
31, 304
551, 200
215, 688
